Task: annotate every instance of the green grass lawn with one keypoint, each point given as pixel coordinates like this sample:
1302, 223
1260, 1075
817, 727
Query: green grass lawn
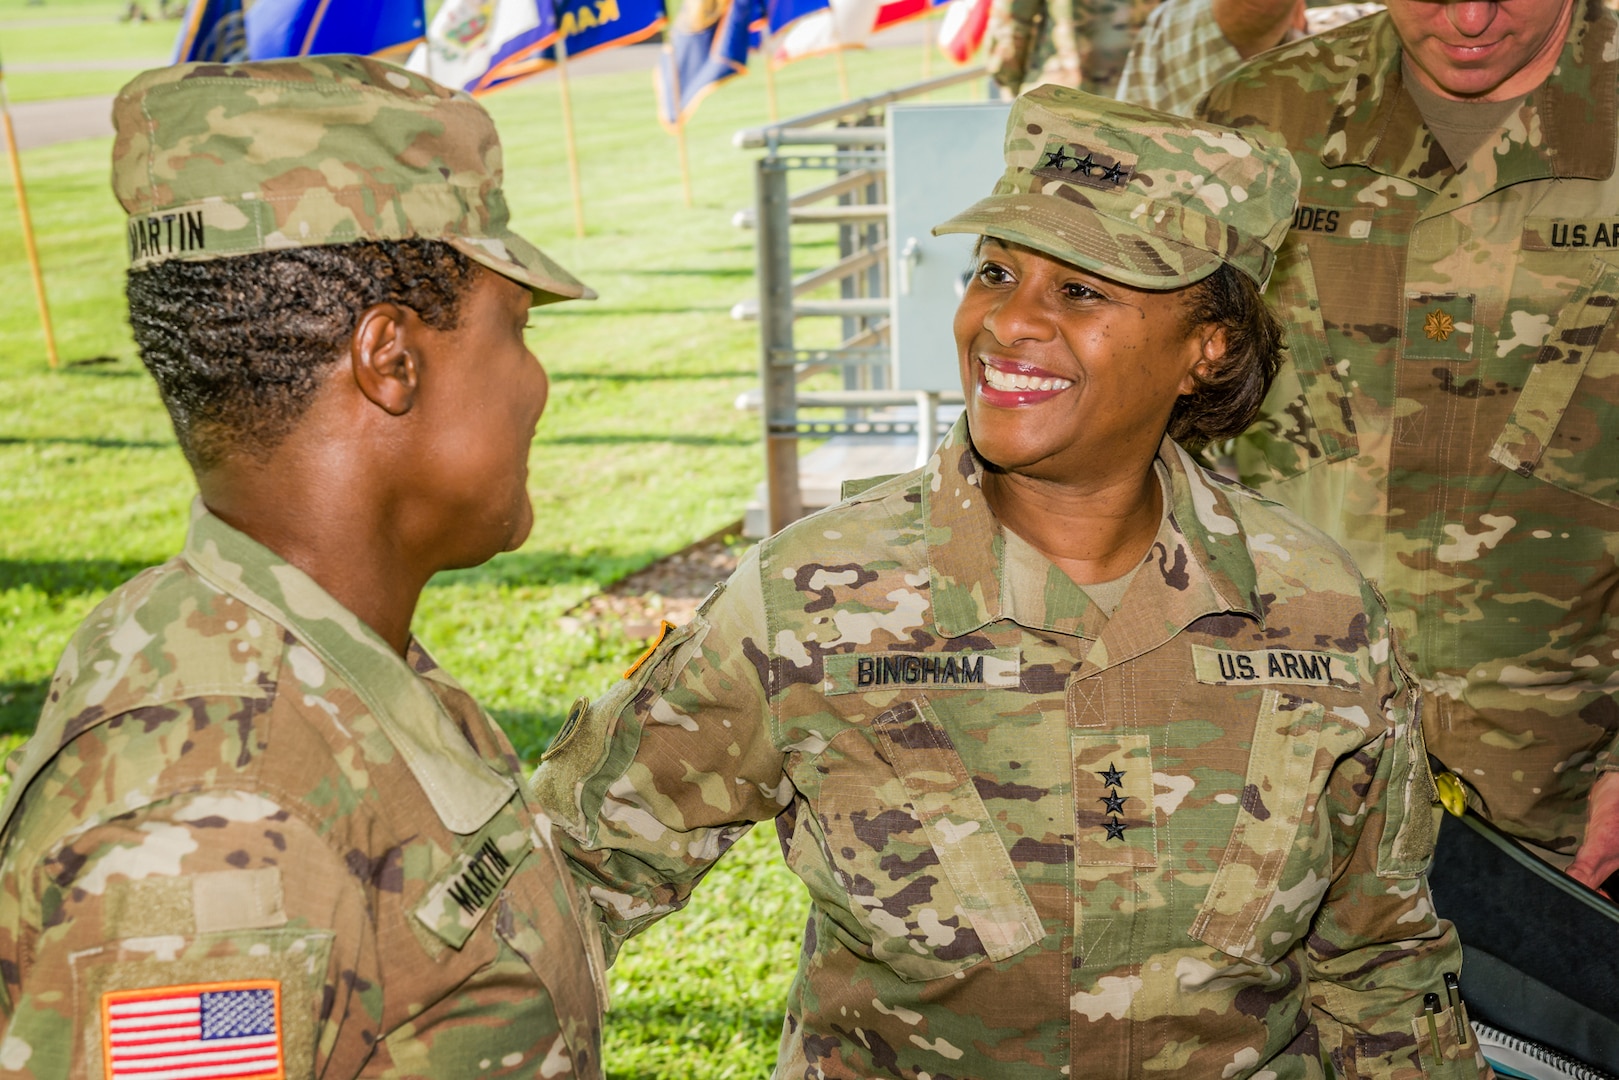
101, 51
640, 452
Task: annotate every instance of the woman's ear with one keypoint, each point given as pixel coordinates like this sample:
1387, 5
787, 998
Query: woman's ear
1210, 339
382, 357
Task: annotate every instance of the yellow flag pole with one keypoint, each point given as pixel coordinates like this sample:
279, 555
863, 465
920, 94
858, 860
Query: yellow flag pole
567, 135
770, 81
680, 122
843, 73
27, 223
927, 42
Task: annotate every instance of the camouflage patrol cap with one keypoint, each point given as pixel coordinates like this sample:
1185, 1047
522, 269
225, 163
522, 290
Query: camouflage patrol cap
213, 160
1136, 195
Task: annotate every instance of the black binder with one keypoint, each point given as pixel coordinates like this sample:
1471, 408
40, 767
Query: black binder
1540, 951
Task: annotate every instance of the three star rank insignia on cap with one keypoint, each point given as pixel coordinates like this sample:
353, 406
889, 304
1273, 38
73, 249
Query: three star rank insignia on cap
1113, 802
1059, 163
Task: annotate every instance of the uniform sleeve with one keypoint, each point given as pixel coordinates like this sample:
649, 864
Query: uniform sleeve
1180, 54
1376, 948
1010, 39
657, 778
210, 928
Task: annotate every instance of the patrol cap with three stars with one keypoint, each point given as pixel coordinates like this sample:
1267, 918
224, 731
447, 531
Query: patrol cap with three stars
1144, 197
214, 160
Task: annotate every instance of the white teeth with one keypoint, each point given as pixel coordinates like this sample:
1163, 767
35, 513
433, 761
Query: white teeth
1009, 380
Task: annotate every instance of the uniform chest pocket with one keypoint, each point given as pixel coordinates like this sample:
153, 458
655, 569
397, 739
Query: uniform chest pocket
1274, 871
1565, 427
913, 847
1306, 420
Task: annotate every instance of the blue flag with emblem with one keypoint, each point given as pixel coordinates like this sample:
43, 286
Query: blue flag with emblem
783, 13
214, 31
708, 45
584, 27
478, 46
471, 41
223, 31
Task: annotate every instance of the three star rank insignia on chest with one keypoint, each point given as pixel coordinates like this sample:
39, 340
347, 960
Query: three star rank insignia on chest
1113, 801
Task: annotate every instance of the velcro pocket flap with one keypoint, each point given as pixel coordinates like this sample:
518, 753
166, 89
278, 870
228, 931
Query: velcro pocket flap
1560, 429
1275, 796
1316, 404
958, 826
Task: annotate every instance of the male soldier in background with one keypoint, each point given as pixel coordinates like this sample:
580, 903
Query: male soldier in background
258, 831
1452, 399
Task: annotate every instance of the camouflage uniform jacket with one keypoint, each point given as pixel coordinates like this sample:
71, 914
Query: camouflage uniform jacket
1039, 842
236, 789
1451, 405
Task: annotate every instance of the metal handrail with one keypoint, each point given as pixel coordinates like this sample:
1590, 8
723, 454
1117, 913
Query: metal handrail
854, 201
772, 135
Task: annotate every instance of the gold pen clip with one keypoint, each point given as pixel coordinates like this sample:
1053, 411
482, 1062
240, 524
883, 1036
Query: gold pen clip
1430, 1010
1453, 996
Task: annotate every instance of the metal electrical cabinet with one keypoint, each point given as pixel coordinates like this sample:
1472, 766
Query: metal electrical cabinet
941, 160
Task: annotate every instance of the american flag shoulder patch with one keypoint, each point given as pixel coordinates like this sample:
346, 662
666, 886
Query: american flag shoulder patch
204, 1031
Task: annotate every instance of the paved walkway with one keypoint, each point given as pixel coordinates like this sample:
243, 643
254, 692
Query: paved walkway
45, 123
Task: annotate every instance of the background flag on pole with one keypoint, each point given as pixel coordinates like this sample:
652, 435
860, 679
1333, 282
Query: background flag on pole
15, 160
783, 13
214, 31
846, 24
708, 45
231, 30
585, 27
470, 40
962, 31
894, 12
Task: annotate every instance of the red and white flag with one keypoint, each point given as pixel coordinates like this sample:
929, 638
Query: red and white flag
845, 24
963, 30
205, 1031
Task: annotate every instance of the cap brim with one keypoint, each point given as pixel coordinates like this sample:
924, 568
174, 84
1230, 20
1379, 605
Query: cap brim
1079, 235
511, 256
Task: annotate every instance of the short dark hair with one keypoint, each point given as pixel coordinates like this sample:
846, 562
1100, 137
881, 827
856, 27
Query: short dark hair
238, 345
1227, 399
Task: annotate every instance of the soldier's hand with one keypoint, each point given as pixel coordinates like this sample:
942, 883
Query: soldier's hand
1598, 857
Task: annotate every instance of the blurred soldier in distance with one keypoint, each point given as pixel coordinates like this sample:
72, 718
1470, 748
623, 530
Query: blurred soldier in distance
1077, 43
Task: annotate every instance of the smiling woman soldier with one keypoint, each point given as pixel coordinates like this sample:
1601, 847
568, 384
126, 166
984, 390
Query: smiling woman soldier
1093, 764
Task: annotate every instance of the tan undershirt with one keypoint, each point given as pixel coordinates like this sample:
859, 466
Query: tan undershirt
1461, 127
1106, 595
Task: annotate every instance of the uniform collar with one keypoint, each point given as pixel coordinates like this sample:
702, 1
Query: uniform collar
1565, 129
464, 790
1199, 566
